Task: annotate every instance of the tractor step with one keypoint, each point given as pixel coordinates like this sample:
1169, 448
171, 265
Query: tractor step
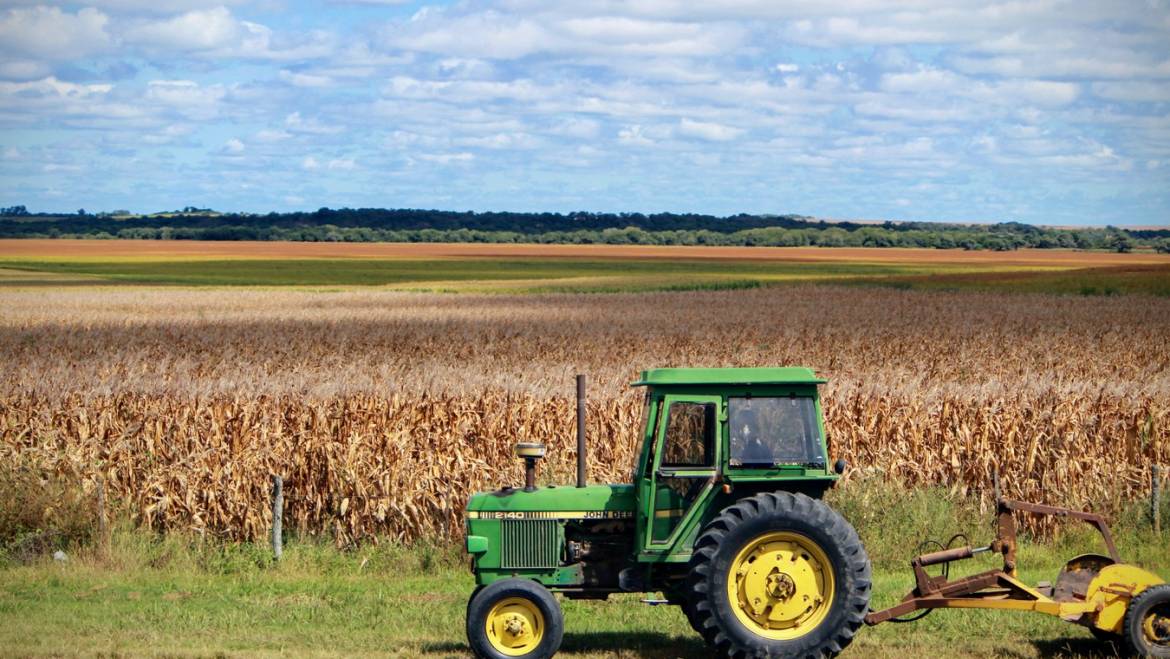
655, 602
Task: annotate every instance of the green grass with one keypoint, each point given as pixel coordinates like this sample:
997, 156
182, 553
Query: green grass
1147, 280
323, 602
599, 274
541, 274
177, 596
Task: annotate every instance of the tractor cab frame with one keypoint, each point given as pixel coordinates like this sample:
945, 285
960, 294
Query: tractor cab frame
710, 433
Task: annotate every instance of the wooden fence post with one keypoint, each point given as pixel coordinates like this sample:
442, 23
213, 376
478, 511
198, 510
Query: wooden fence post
1156, 499
103, 517
277, 515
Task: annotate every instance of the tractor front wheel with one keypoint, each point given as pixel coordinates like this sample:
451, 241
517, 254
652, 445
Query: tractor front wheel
779, 575
1146, 626
514, 618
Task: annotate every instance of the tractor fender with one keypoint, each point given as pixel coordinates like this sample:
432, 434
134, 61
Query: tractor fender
1113, 588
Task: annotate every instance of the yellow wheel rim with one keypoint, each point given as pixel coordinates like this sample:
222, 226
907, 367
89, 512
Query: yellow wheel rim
515, 626
1156, 626
781, 585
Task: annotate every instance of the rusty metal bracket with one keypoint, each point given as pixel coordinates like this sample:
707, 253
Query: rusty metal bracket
994, 589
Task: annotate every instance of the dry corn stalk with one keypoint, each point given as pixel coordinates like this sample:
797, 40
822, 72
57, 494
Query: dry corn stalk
383, 411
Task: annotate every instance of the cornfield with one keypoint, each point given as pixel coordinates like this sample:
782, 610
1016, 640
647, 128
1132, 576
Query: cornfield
383, 411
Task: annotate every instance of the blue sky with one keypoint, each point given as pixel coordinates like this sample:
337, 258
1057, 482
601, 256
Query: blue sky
1043, 112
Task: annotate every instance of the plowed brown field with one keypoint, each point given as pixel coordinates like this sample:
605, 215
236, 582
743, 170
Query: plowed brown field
158, 249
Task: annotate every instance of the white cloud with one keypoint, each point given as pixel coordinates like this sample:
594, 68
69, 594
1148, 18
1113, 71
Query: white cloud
51, 34
159, 6
584, 129
644, 37
938, 83
709, 131
469, 90
169, 134
463, 67
216, 33
18, 69
447, 158
633, 135
500, 141
61, 105
233, 146
488, 34
196, 30
305, 79
1063, 65
310, 163
1139, 91
856, 30
492, 34
273, 135
53, 87
295, 123
186, 97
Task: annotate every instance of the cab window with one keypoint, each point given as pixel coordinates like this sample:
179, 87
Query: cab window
771, 431
690, 436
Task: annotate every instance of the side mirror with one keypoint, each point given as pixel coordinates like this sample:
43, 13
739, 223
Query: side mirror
530, 453
839, 466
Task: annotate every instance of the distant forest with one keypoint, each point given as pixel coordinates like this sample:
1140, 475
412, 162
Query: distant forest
415, 225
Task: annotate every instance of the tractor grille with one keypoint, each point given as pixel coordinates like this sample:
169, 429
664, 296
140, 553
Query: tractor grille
530, 543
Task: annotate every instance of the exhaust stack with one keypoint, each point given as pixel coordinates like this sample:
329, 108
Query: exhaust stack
580, 431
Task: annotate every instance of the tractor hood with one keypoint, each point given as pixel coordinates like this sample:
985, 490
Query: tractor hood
554, 502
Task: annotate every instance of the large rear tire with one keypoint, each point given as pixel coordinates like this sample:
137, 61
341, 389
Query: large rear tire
778, 575
514, 618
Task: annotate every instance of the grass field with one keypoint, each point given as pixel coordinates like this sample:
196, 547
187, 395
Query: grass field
177, 596
56, 610
567, 268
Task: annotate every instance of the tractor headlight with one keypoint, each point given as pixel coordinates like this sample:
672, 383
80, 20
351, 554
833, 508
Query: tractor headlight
476, 544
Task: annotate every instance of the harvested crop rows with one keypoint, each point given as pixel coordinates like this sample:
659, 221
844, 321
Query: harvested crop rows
384, 410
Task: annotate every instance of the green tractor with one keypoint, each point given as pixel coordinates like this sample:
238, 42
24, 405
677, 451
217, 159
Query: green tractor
724, 517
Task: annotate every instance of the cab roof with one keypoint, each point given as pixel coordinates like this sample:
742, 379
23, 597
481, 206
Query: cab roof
691, 376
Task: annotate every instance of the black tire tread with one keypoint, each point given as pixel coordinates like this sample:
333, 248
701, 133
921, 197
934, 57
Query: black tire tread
1131, 624
701, 611
484, 597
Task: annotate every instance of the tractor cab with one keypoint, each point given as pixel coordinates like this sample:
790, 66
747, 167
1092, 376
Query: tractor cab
709, 433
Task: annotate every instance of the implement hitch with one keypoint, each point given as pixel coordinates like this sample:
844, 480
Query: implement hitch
1092, 590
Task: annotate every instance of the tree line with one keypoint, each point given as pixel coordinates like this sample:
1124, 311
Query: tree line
414, 225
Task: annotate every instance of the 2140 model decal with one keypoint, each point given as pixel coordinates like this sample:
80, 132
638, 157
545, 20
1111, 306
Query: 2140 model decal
551, 514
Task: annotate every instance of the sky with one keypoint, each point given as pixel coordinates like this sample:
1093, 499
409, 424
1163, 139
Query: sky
1043, 112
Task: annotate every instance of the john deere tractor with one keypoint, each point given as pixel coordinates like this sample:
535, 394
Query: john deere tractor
723, 516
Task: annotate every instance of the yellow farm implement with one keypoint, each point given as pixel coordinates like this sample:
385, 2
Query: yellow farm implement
1112, 598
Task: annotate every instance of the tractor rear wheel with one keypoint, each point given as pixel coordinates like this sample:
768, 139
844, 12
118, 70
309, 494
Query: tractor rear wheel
779, 575
514, 618
1146, 626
